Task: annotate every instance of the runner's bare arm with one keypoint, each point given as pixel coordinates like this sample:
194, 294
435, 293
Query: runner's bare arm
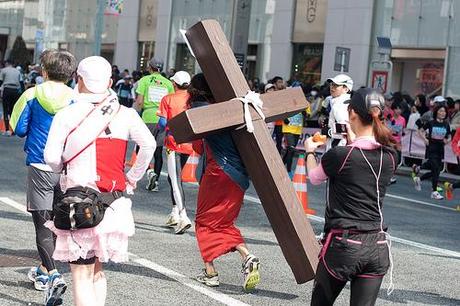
141, 135
139, 103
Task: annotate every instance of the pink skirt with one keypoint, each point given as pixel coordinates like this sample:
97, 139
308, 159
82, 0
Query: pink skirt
107, 241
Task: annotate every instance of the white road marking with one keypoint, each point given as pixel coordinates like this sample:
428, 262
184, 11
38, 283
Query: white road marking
14, 204
254, 199
395, 239
219, 297
418, 202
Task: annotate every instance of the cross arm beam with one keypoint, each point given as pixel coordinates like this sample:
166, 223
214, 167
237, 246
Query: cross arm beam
198, 122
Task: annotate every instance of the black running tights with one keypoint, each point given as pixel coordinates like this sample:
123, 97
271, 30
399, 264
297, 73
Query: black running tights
326, 288
44, 237
434, 164
157, 160
291, 141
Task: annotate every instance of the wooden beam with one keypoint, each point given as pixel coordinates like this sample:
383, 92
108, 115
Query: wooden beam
199, 122
213, 52
276, 192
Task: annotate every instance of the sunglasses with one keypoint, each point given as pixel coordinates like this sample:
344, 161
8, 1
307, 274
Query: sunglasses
333, 85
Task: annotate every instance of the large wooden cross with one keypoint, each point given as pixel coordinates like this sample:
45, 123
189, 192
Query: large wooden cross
263, 162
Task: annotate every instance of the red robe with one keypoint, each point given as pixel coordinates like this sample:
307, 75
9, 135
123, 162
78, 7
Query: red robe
219, 203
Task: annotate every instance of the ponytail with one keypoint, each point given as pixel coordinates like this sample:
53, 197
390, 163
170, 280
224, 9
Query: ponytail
382, 133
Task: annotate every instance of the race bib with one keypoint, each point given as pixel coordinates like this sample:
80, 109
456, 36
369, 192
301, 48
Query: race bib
156, 93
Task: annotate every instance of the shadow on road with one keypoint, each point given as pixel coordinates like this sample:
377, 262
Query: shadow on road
238, 290
19, 301
422, 297
136, 270
15, 216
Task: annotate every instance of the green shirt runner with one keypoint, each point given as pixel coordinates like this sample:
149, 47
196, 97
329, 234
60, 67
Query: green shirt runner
153, 88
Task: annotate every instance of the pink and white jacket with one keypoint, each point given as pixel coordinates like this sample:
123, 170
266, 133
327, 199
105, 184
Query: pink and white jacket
101, 165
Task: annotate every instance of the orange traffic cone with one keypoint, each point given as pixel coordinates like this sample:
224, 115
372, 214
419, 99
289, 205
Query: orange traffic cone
189, 170
2, 125
300, 184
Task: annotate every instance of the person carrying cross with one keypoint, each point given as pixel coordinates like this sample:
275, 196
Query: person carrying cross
220, 197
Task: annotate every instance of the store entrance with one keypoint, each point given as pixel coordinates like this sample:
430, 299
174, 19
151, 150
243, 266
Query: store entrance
418, 76
3, 44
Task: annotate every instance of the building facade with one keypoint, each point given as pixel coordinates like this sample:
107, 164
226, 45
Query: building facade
424, 37
60, 24
307, 40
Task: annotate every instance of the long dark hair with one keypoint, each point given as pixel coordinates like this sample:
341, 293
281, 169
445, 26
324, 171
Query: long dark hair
436, 110
373, 116
382, 133
199, 90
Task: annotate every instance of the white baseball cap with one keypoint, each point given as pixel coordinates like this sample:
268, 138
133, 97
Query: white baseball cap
181, 78
342, 79
96, 72
268, 86
439, 99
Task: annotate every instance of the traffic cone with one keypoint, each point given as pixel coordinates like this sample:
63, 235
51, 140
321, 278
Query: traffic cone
189, 170
448, 191
2, 125
300, 184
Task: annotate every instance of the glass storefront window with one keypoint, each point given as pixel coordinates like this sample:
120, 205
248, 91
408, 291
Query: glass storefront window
146, 51
405, 23
434, 23
306, 63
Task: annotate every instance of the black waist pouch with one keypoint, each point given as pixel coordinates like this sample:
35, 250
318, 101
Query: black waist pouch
79, 207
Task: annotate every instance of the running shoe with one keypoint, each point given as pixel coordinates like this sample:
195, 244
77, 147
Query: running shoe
39, 278
156, 186
173, 219
436, 195
151, 177
56, 288
417, 183
393, 180
210, 280
251, 275
449, 191
183, 225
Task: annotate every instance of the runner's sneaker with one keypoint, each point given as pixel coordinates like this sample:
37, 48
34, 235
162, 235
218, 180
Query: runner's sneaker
435, 195
449, 190
251, 273
173, 219
151, 177
183, 225
393, 180
210, 280
39, 278
156, 187
56, 288
417, 183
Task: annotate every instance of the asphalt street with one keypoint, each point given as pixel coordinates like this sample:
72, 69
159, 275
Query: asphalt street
426, 250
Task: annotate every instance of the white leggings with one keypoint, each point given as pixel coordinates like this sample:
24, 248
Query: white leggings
176, 162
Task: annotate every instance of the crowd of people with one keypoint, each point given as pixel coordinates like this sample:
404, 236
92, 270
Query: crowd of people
78, 119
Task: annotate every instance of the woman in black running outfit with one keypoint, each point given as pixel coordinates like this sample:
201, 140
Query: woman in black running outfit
355, 247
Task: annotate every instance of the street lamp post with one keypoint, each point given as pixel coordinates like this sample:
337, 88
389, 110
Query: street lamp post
99, 27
